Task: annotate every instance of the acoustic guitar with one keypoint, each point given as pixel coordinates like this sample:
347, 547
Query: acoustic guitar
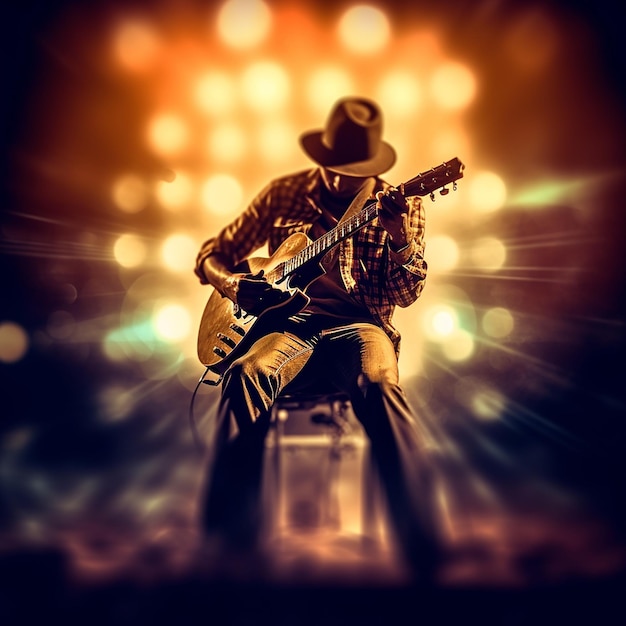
225, 328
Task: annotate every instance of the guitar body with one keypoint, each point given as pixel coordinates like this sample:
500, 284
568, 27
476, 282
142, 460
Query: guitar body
225, 330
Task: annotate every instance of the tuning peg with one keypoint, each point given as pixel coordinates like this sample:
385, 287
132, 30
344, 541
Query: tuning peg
432, 196
444, 191
454, 186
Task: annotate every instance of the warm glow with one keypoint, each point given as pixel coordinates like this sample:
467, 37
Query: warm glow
488, 253
442, 253
265, 86
136, 45
440, 322
13, 342
168, 134
364, 29
222, 194
179, 253
326, 85
276, 141
175, 195
214, 93
244, 23
227, 143
498, 322
453, 86
399, 94
130, 193
172, 323
458, 345
129, 251
487, 191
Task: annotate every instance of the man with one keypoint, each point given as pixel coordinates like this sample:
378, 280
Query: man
344, 337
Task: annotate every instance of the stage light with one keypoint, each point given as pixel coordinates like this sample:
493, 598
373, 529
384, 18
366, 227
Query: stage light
487, 191
179, 253
399, 94
215, 93
167, 134
136, 45
364, 29
442, 253
498, 322
129, 251
222, 194
14, 342
326, 85
130, 193
227, 143
453, 86
243, 24
265, 87
175, 195
458, 345
488, 253
172, 323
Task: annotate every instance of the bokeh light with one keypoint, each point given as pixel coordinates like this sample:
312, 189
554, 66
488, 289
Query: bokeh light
399, 94
487, 191
179, 252
130, 193
453, 86
222, 194
244, 24
227, 143
215, 93
129, 250
136, 45
458, 345
14, 342
440, 321
265, 87
172, 322
175, 195
498, 322
168, 134
364, 29
442, 253
275, 141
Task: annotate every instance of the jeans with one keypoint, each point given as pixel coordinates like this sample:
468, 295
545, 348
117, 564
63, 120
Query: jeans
358, 359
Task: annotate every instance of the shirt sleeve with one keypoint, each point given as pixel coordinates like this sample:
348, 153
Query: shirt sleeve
242, 236
407, 268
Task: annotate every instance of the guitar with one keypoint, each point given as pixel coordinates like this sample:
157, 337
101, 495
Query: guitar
224, 332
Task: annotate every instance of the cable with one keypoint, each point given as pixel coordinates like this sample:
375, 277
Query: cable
192, 420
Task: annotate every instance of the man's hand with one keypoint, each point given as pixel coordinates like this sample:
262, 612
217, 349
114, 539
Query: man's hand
392, 216
252, 292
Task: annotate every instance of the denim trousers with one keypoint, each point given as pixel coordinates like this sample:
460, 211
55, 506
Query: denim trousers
358, 359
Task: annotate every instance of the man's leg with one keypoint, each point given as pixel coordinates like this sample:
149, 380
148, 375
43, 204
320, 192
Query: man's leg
366, 365
231, 506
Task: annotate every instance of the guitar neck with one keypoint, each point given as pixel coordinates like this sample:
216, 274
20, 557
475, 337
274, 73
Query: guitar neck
421, 185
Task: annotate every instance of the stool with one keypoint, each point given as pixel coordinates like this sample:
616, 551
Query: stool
318, 474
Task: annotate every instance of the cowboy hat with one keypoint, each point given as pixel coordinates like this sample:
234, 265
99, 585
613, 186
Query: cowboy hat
351, 142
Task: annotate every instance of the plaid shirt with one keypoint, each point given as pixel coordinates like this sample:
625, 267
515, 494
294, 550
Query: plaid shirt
371, 271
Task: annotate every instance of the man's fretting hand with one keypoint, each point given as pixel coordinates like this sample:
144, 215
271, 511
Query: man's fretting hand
392, 215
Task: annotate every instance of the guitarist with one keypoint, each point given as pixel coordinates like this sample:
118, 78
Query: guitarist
343, 338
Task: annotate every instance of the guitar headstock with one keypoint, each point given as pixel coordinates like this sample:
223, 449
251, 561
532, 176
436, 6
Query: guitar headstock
435, 178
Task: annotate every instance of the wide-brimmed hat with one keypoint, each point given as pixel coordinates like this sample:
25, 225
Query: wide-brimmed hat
351, 143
